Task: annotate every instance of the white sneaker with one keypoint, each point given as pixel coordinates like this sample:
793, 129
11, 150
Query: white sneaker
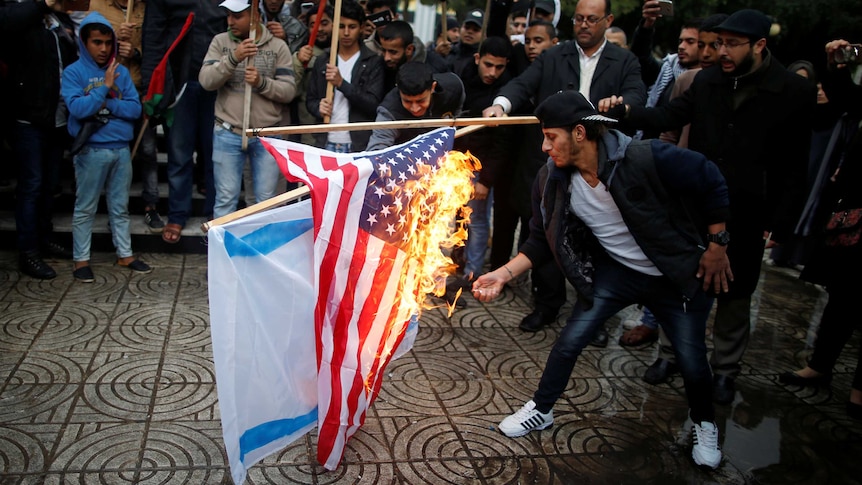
525, 420
633, 318
705, 450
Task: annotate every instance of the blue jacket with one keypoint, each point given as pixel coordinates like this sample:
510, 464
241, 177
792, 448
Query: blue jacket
667, 197
85, 93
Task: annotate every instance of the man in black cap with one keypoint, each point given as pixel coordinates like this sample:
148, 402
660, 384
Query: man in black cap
468, 43
626, 221
597, 69
752, 117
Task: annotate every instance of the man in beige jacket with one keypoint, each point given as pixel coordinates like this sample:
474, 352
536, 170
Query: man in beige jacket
234, 60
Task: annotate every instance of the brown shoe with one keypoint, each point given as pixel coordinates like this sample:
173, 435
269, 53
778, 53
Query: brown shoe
638, 336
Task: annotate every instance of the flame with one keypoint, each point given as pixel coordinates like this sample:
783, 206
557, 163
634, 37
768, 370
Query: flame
437, 228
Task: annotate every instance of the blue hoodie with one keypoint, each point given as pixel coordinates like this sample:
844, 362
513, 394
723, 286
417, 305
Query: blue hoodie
83, 88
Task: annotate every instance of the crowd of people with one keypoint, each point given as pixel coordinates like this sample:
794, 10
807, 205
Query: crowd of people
655, 181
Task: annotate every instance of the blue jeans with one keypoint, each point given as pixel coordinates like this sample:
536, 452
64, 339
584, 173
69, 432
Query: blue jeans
616, 287
228, 162
477, 234
338, 147
97, 168
38, 154
191, 130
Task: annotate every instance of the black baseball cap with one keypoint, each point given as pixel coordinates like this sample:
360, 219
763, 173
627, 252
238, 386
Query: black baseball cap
568, 108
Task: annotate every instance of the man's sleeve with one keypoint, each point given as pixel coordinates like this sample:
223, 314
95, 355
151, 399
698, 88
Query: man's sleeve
632, 87
217, 68
519, 90
316, 87
81, 104
684, 171
128, 106
17, 18
642, 42
672, 115
382, 138
365, 99
281, 88
536, 248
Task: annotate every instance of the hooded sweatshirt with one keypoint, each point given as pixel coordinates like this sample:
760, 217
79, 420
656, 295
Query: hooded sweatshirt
85, 93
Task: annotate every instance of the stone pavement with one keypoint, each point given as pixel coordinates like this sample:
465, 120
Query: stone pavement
113, 383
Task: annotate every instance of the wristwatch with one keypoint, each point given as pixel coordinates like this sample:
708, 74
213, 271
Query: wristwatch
721, 238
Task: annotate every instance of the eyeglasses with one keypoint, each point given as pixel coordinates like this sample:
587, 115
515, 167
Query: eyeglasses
591, 20
729, 44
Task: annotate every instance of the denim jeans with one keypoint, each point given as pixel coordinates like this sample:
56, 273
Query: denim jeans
38, 154
97, 168
616, 287
228, 162
191, 130
147, 160
477, 234
338, 147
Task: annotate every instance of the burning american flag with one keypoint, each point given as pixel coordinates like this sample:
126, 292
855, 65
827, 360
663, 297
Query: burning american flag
380, 219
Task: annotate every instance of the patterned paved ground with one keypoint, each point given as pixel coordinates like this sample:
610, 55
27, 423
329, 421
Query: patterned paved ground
113, 382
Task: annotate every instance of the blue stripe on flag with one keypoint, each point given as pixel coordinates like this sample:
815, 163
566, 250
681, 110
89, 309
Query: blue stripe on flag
266, 239
265, 433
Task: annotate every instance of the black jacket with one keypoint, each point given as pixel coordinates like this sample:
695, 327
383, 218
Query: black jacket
35, 63
666, 195
363, 92
757, 129
163, 21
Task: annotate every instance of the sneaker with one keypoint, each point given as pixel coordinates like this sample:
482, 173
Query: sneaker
31, 264
705, 450
525, 420
154, 221
84, 274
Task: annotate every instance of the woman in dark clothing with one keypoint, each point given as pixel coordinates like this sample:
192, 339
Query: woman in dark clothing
837, 267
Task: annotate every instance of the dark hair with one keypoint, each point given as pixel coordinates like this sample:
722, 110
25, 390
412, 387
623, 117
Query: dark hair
375, 4
414, 78
397, 29
496, 46
607, 7
549, 27
102, 28
594, 129
353, 11
710, 23
694, 23
327, 10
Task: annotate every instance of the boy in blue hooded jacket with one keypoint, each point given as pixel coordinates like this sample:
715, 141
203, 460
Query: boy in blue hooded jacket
97, 89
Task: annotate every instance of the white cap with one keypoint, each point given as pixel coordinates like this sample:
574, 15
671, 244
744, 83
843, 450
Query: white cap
235, 6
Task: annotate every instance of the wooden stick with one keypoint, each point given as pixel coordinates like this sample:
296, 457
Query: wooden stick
443, 24
399, 124
290, 196
333, 51
144, 126
485, 19
249, 61
130, 5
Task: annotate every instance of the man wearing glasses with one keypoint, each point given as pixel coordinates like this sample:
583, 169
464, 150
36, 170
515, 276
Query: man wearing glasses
751, 117
597, 69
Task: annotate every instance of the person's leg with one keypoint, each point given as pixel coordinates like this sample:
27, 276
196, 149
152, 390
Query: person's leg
478, 232
228, 161
91, 170
181, 146
614, 288
731, 333
265, 171
204, 145
147, 159
117, 197
505, 220
28, 143
834, 331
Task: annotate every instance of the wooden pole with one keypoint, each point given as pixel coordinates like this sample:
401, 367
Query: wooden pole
290, 196
249, 61
485, 19
144, 126
130, 5
333, 50
398, 124
443, 24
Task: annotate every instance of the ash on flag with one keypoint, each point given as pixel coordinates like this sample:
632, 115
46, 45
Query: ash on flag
380, 220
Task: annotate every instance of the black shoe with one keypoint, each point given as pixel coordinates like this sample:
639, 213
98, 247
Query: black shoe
84, 274
600, 338
660, 371
535, 321
56, 251
854, 410
723, 389
154, 221
31, 264
794, 379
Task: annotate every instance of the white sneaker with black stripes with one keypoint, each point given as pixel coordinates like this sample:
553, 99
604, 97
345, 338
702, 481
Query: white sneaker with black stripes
525, 420
705, 450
